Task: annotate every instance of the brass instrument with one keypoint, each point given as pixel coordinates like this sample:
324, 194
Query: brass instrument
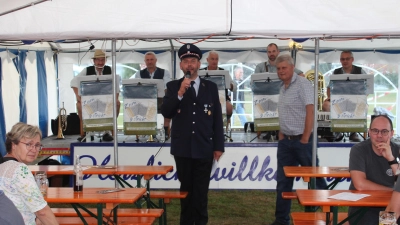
321, 86
62, 122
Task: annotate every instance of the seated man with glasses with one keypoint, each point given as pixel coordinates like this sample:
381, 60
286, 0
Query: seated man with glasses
373, 164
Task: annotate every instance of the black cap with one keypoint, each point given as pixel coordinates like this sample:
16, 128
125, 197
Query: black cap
189, 50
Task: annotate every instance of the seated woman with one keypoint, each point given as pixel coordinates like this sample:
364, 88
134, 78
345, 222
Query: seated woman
16, 180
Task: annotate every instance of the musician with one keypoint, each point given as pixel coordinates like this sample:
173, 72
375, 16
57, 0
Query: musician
373, 164
346, 59
197, 136
296, 119
270, 65
99, 68
153, 72
212, 61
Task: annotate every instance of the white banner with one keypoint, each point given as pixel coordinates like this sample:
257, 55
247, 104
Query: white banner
238, 168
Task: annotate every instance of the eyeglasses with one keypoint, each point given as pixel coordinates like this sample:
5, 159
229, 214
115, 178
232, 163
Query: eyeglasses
29, 146
346, 59
384, 132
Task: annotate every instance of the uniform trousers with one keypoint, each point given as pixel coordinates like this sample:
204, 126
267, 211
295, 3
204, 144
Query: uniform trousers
194, 175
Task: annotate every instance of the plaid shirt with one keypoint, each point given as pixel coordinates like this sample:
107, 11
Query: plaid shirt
292, 105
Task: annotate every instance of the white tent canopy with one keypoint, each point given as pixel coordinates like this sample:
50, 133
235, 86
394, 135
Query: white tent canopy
126, 19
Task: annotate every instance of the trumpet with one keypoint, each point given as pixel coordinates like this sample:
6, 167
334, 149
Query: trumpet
62, 122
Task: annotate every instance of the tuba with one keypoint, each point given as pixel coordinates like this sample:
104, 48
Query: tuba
310, 75
62, 122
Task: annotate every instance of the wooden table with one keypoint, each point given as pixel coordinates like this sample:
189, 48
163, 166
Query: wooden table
91, 195
147, 172
308, 172
320, 198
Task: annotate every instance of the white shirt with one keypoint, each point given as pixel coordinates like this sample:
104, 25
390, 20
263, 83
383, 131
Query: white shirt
166, 77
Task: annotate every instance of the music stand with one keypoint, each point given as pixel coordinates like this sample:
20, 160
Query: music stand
140, 105
265, 88
97, 102
349, 101
223, 80
368, 77
264, 77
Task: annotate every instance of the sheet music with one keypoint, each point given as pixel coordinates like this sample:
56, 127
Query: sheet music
347, 196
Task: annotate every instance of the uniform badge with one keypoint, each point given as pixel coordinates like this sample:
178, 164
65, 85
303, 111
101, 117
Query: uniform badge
205, 108
179, 110
209, 112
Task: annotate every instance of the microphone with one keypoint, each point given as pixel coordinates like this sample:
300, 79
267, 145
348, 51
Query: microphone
187, 75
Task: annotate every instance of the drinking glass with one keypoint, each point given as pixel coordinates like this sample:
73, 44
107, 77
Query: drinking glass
387, 218
42, 181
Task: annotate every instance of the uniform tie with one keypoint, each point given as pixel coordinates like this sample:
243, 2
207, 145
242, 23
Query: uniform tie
193, 90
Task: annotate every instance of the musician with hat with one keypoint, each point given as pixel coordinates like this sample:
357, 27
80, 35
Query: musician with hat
197, 136
99, 68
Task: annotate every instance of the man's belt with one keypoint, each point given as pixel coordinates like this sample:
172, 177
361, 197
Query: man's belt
293, 137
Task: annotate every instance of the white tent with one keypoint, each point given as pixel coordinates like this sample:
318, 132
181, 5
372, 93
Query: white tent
238, 29
126, 19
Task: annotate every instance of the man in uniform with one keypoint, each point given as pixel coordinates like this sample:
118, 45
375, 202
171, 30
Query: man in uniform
270, 65
197, 136
99, 68
373, 164
212, 61
296, 120
153, 72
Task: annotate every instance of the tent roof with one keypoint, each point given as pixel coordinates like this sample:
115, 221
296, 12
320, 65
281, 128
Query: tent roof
126, 19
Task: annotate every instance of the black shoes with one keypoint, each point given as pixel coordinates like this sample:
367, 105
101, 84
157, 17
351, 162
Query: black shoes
355, 137
107, 137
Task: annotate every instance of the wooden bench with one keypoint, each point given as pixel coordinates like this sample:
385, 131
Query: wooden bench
122, 212
93, 221
314, 218
164, 197
289, 195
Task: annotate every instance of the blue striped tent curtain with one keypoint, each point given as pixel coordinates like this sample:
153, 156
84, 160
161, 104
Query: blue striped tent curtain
19, 63
42, 93
2, 120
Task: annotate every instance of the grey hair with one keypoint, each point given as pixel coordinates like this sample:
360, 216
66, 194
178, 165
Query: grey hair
150, 53
284, 58
212, 52
348, 52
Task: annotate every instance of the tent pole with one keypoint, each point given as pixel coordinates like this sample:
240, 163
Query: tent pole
23, 7
315, 135
115, 127
172, 60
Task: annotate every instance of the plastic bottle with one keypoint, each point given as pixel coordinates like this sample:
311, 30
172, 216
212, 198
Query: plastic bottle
248, 133
78, 174
162, 135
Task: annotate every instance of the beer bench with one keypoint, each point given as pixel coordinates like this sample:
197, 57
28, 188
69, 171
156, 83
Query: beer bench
314, 218
122, 212
289, 195
164, 197
93, 221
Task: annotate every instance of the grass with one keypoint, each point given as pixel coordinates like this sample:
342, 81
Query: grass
232, 207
